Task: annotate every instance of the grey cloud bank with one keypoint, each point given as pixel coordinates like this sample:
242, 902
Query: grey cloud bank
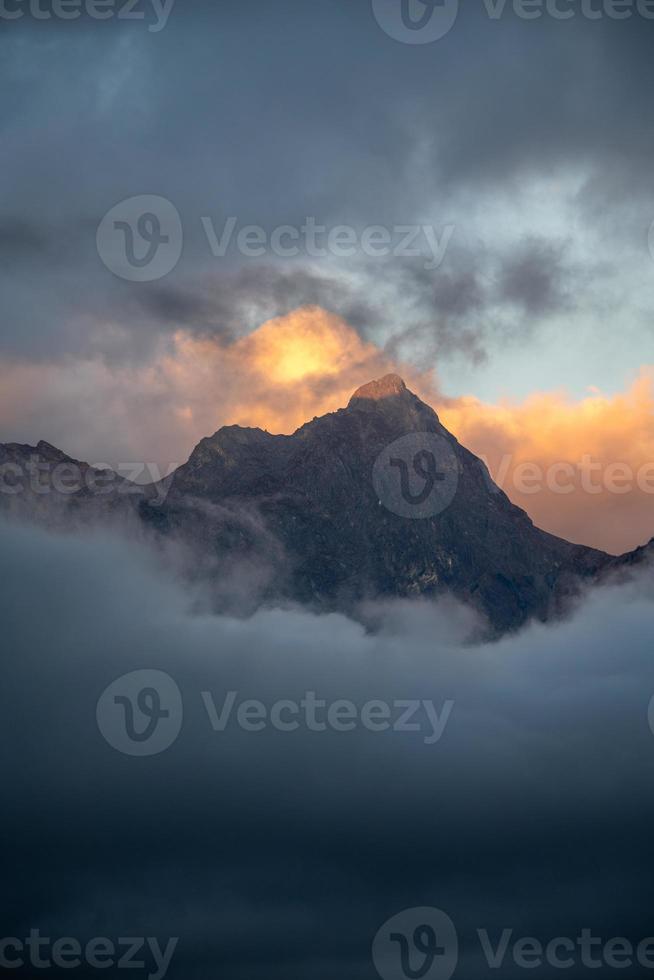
459, 127
216, 839
272, 853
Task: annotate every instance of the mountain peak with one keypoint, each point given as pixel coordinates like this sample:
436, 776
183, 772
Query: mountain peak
386, 387
325, 516
390, 398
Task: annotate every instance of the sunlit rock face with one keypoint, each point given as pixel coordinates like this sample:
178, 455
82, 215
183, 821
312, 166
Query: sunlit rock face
386, 387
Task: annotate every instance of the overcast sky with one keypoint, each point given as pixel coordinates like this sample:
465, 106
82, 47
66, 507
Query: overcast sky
524, 147
527, 136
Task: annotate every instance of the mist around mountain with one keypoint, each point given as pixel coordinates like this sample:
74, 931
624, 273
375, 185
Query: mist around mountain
365, 560
377, 500
280, 854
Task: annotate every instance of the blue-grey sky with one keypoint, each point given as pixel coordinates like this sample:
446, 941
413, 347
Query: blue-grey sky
530, 137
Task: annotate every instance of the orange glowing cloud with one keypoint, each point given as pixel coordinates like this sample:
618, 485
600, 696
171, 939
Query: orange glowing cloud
308, 343
287, 371
582, 469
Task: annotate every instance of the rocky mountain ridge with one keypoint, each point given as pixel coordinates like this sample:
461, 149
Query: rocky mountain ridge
375, 500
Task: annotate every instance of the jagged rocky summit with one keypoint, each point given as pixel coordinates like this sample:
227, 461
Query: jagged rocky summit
375, 500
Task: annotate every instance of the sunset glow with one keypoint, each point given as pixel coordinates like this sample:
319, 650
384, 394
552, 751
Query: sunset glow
309, 362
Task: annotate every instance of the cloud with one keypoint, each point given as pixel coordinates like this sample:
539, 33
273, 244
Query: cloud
274, 857
309, 362
283, 853
288, 370
582, 469
534, 279
454, 132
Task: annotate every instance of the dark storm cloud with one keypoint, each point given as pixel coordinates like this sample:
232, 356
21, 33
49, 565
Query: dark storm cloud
466, 305
447, 313
457, 294
231, 303
20, 240
276, 113
280, 854
535, 278
234, 302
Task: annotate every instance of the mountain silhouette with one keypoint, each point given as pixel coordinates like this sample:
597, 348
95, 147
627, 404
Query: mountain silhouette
374, 500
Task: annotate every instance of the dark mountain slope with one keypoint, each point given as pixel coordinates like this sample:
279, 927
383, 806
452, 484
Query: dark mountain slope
374, 500
324, 510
